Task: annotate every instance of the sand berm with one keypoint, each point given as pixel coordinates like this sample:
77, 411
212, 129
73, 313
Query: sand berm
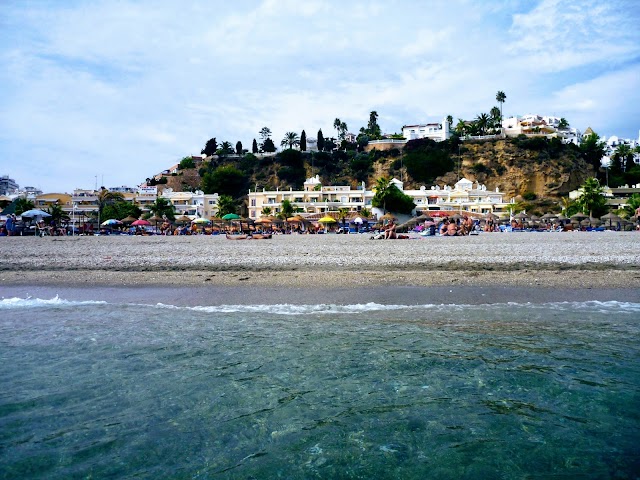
563, 260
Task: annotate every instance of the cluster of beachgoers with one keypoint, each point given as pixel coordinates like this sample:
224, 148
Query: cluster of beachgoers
441, 223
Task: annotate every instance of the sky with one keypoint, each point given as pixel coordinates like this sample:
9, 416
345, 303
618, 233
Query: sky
108, 93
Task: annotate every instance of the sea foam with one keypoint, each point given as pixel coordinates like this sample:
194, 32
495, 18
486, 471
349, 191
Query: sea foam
25, 303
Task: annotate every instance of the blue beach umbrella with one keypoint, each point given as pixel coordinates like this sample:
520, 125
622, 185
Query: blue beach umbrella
35, 213
111, 221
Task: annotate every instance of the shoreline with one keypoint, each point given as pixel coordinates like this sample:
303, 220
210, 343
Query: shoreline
310, 264
406, 288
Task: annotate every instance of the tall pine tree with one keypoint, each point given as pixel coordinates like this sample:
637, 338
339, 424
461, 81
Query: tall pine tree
254, 147
320, 141
303, 141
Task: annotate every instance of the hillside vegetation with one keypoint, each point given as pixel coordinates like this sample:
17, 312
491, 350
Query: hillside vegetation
520, 166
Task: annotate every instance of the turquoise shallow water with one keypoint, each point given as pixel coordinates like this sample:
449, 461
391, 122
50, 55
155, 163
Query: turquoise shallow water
122, 390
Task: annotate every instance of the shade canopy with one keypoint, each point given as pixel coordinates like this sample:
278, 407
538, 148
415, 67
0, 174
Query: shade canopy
35, 213
201, 221
129, 219
111, 221
231, 216
327, 219
140, 223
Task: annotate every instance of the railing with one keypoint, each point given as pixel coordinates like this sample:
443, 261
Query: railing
388, 140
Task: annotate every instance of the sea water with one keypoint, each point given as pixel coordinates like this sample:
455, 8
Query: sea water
101, 389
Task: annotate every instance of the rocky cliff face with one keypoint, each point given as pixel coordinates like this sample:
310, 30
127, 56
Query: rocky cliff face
517, 170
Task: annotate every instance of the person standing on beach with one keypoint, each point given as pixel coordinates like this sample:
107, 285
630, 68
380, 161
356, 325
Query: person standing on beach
9, 225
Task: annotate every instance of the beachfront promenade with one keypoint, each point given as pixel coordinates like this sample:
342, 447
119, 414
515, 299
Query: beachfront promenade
569, 259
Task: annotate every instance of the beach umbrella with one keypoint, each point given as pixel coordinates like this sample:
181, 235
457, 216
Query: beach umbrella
610, 218
578, 217
521, 216
110, 222
548, 216
231, 216
140, 223
129, 219
386, 217
35, 213
201, 221
183, 219
326, 220
595, 222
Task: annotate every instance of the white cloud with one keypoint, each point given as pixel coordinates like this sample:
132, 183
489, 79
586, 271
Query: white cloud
127, 88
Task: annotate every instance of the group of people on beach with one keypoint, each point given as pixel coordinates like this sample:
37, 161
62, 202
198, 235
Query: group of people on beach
457, 228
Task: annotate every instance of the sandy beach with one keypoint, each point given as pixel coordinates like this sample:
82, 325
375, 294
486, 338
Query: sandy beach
580, 260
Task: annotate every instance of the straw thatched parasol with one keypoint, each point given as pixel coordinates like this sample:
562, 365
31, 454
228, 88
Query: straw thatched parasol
128, 219
610, 218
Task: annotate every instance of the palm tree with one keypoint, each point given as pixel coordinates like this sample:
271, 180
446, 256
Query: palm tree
22, 205
226, 205
592, 197
461, 127
266, 211
500, 98
382, 191
566, 203
495, 119
226, 148
482, 122
286, 209
563, 124
341, 128
450, 121
58, 215
365, 212
624, 155
291, 139
104, 198
343, 213
162, 207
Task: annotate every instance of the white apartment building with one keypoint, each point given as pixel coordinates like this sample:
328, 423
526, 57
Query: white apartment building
316, 198
8, 186
548, 126
434, 131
